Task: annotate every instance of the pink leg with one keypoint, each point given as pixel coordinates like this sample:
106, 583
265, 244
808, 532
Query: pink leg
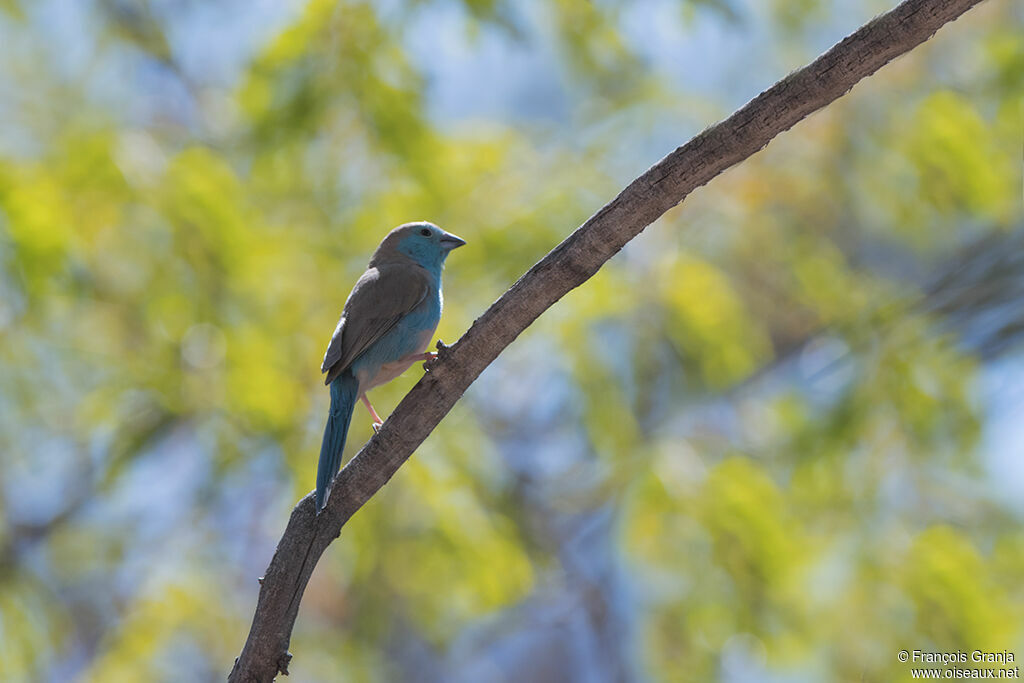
414, 357
377, 422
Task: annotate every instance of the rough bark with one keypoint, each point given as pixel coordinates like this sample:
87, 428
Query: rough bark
567, 266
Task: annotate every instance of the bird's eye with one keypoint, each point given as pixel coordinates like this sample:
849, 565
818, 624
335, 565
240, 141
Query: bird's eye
425, 232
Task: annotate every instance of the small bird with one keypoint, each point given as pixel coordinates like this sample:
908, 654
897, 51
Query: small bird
387, 323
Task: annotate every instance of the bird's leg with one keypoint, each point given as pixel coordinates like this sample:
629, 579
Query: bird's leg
425, 356
377, 422
442, 349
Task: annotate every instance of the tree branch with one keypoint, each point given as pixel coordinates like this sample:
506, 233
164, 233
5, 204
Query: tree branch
567, 266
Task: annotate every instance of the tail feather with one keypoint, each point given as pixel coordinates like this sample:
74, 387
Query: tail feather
344, 392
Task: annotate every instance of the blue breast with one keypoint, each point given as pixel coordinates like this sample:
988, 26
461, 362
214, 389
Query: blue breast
409, 335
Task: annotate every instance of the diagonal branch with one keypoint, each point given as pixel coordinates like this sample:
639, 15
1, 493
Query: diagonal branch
567, 266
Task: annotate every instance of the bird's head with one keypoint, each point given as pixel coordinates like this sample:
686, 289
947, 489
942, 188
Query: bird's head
423, 242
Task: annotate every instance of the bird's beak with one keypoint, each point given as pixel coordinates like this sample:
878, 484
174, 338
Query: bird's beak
450, 241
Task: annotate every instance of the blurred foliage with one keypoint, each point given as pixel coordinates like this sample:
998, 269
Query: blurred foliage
752, 447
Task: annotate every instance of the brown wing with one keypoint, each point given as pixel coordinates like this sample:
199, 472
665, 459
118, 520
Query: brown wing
381, 297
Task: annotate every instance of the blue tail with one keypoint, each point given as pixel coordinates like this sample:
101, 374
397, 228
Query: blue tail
344, 392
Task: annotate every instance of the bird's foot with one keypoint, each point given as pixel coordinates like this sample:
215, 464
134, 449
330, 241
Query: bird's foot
376, 426
431, 357
377, 422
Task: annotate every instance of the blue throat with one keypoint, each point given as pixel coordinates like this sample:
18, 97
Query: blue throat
428, 256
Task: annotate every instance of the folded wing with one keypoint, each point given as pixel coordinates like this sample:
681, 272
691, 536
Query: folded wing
382, 296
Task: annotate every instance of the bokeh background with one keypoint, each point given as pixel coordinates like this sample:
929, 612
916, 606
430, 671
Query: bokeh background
778, 438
